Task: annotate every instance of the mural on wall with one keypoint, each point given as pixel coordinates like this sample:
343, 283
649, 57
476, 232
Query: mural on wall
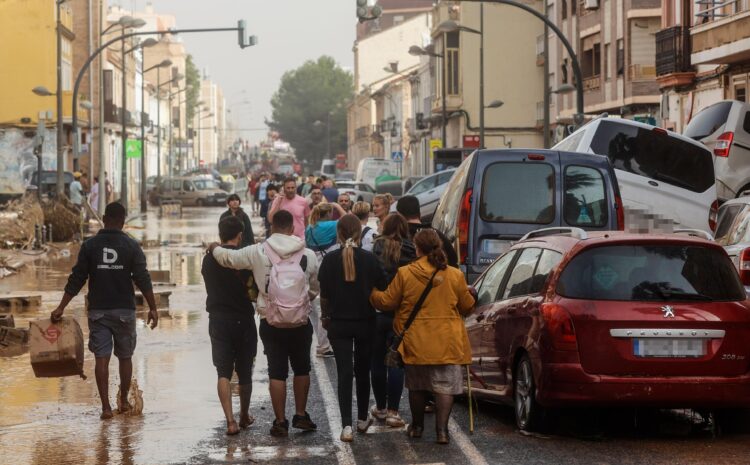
17, 159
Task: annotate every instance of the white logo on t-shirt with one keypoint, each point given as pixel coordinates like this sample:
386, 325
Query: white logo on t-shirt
110, 255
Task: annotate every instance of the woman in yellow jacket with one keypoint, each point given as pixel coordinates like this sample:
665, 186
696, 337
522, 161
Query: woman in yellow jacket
436, 344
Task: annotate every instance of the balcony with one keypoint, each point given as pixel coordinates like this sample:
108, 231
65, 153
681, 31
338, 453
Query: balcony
592, 83
111, 113
673, 66
724, 36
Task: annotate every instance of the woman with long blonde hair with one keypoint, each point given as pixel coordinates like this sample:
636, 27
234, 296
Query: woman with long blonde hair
347, 277
381, 206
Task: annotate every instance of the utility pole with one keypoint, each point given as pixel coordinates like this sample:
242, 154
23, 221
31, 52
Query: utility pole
547, 96
59, 98
481, 74
124, 150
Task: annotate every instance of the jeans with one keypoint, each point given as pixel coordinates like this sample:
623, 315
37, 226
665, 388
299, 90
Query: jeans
387, 383
352, 338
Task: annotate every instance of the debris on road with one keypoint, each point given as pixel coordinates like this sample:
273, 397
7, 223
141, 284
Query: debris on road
19, 303
6, 319
17, 222
64, 218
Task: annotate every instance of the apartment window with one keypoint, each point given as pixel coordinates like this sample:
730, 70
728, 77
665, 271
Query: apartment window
67, 75
452, 63
564, 8
573, 8
620, 57
564, 70
607, 63
591, 58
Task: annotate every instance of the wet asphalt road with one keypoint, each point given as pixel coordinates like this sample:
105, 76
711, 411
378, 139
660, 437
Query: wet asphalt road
55, 421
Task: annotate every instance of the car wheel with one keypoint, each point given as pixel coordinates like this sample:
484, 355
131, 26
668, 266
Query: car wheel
529, 414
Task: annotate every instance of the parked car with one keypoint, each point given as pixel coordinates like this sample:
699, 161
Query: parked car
397, 188
49, 181
724, 128
428, 190
192, 190
610, 319
733, 233
345, 176
659, 172
497, 196
356, 190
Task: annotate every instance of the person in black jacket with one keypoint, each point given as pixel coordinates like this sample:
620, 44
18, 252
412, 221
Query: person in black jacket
393, 249
111, 262
231, 325
347, 277
408, 206
233, 202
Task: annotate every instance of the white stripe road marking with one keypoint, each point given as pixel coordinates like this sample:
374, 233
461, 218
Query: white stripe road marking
344, 455
467, 448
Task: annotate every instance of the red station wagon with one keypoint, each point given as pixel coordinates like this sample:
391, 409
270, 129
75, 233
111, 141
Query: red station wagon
570, 318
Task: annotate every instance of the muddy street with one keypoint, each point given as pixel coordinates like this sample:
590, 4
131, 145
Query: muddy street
56, 420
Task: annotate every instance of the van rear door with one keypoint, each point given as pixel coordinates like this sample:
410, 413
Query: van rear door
589, 192
659, 173
518, 192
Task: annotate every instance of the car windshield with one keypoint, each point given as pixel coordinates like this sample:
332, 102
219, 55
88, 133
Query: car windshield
205, 184
651, 273
707, 121
654, 154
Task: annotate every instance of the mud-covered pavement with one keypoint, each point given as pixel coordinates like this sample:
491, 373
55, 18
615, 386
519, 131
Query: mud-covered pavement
56, 421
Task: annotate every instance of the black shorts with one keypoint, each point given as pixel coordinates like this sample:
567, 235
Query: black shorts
285, 346
234, 343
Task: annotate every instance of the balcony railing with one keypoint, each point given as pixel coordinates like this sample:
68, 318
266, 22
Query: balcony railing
591, 83
673, 50
711, 10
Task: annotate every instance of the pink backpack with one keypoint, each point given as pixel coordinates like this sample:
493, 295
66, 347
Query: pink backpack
288, 303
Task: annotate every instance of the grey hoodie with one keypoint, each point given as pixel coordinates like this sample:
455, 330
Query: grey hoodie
254, 258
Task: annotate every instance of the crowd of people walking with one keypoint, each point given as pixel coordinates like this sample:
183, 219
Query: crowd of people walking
386, 301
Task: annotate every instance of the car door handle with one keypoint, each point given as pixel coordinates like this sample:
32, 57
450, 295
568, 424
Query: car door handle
654, 183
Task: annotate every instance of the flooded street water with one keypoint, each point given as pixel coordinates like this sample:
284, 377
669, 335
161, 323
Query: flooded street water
44, 420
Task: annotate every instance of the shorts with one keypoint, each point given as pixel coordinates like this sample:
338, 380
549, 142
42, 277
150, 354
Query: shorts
234, 344
108, 328
286, 346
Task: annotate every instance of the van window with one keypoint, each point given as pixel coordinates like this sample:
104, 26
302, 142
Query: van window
707, 121
746, 122
570, 143
446, 215
651, 273
423, 185
520, 279
654, 155
585, 200
518, 193
176, 185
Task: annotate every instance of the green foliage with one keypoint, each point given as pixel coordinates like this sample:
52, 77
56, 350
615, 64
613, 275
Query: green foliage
308, 94
193, 82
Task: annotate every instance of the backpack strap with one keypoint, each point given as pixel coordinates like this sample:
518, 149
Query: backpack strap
303, 262
366, 230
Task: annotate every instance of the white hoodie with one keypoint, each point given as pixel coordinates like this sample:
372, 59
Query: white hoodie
254, 258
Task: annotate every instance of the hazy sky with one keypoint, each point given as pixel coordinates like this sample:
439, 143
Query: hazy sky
289, 32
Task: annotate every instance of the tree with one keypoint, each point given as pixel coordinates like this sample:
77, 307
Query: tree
306, 98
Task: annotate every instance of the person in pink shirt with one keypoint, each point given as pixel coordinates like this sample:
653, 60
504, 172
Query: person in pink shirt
294, 204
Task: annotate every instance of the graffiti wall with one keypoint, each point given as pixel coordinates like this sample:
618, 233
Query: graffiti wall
17, 159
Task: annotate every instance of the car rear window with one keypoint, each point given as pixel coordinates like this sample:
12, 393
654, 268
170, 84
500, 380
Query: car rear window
655, 155
651, 273
727, 215
585, 201
707, 121
518, 193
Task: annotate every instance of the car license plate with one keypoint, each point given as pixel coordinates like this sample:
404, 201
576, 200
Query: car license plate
495, 247
669, 347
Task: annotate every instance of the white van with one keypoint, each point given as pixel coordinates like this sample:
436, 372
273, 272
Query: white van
659, 171
328, 167
369, 169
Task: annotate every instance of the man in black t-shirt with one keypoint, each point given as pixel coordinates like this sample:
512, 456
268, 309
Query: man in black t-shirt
231, 325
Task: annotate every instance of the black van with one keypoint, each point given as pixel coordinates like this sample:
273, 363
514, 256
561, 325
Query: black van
497, 196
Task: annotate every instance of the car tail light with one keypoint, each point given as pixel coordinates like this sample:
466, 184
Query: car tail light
620, 213
560, 327
713, 215
536, 157
464, 216
723, 144
744, 267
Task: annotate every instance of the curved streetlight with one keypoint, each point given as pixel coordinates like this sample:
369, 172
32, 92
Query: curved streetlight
495, 104
42, 91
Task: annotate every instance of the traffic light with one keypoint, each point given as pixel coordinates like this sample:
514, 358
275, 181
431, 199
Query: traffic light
366, 14
242, 39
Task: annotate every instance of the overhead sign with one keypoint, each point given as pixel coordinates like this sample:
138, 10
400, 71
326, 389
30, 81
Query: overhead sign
133, 149
397, 156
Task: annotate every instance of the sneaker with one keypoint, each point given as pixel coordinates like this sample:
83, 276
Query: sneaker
364, 425
394, 420
304, 422
347, 435
379, 414
280, 430
326, 354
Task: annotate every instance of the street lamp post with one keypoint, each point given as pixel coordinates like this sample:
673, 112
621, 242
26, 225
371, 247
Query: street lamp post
144, 193
59, 95
171, 121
